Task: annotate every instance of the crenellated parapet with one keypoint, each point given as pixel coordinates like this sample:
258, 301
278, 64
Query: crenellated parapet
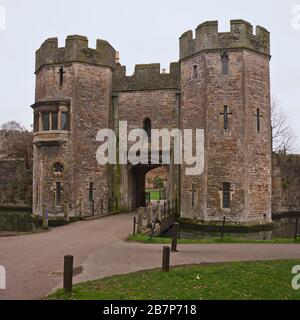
75, 50
146, 77
241, 36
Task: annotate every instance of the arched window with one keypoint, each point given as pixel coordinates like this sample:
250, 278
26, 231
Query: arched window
148, 127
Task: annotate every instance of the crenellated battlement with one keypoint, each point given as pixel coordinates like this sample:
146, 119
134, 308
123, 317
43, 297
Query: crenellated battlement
75, 50
146, 77
208, 37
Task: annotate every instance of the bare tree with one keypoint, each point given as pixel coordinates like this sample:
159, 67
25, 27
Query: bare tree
18, 142
13, 126
283, 135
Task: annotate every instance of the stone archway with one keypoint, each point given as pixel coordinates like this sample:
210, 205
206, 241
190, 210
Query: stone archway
137, 182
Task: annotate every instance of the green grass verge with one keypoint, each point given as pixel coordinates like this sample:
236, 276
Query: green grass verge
144, 239
154, 194
269, 280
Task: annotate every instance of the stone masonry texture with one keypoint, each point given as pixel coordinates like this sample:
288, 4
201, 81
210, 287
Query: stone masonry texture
96, 93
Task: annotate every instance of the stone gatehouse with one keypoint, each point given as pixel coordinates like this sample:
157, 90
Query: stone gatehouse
220, 84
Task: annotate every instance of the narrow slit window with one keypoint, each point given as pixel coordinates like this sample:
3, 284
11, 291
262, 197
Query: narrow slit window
195, 72
225, 63
226, 195
61, 73
148, 127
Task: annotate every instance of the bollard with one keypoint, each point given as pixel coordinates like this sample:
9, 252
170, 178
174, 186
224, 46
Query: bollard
66, 213
134, 225
45, 219
176, 231
223, 228
166, 259
68, 274
175, 237
174, 245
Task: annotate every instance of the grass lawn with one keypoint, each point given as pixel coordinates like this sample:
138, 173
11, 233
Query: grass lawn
145, 239
229, 281
154, 194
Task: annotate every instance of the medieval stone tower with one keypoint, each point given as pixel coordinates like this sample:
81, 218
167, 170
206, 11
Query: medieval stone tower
220, 84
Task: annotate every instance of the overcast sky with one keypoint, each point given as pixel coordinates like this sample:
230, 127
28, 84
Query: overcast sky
143, 32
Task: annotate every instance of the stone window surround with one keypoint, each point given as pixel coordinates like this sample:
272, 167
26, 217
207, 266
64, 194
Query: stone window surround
232, 193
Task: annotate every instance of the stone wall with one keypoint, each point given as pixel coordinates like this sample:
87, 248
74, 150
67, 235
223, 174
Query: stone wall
240, 154
85, 94
286, 184
15, 184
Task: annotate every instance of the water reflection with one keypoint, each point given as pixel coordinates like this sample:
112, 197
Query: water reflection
284, 228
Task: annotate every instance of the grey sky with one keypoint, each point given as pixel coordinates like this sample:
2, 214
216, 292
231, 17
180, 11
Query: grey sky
143, 32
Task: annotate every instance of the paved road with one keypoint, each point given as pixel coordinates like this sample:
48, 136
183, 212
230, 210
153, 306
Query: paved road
34, 263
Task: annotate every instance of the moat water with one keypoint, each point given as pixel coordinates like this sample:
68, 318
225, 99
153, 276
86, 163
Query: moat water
283, 228
16, 220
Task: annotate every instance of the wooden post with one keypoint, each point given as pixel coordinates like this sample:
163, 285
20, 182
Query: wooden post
134, 226
223, 228
175, 237
68, 274
176, 230
174, 245
45, 219
296, 229
140, 221
66, 213
150, 215
166, 259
